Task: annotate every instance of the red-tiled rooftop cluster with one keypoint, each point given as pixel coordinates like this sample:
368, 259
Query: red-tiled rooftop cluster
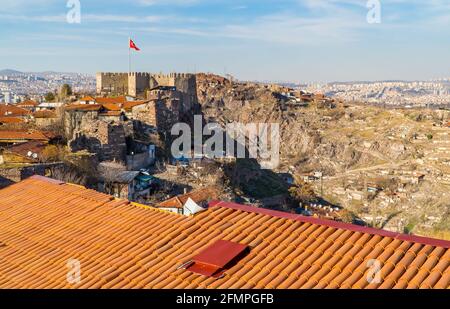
45, 223
105, 105
25, 135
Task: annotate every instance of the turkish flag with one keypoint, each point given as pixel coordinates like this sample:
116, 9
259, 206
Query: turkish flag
133, 46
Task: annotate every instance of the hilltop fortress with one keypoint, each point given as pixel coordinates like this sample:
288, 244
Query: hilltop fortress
131, 111
139, 84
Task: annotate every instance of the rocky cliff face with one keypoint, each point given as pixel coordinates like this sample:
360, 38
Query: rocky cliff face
358, 148
312, 138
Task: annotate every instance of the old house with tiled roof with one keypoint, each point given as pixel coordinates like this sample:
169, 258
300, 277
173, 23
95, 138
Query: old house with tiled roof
30, 105
87, 100
115, 122
160, 110
28, 152
8, 110
45, 118
8, 137
11, 120
46, 224
181, 204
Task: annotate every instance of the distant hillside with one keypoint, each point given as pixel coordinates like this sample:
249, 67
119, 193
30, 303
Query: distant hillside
9, 72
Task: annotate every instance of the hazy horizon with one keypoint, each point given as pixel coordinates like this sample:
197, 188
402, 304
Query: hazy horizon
221, 74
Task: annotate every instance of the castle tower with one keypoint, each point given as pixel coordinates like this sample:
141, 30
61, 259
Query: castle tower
138, 83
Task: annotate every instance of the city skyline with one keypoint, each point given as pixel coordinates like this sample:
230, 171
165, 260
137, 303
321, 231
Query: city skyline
298, 41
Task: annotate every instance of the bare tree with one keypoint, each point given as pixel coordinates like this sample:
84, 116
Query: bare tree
108, 172
68, 174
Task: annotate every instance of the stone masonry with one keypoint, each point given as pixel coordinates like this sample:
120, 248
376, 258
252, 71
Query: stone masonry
139, 83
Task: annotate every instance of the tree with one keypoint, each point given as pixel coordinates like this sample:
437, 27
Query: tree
347, 216
49, 97
51, 153
65, 91
68, 173
302, 192
108, 172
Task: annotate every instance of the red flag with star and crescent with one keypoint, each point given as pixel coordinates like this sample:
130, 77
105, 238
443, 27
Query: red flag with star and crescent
133, 45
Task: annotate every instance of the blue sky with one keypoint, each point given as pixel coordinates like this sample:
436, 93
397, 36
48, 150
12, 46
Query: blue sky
289, 40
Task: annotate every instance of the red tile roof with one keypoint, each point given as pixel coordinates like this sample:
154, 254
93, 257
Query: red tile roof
112, 106
11, 120
116, 100
13, 111
24, 135
108, 105
28, 103
87, 98
24, 148
45, 223
198, 196
129, 105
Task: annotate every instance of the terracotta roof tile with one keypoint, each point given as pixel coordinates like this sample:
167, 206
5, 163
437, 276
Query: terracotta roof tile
109, 106
23, 135
110, 100
125, 245
28, 103
11, 120
87, 98
13, 111
200, 195
112, 106
23, 149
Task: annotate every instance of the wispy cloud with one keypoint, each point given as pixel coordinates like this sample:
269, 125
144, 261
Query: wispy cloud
333, 33
167, 2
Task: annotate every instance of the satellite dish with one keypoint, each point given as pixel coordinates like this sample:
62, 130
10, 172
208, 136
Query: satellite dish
29, 154
35, 155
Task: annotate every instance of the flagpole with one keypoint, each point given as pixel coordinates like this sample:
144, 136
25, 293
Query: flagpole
129, 55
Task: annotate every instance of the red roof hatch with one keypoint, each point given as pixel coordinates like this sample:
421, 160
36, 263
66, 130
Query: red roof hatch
217, 258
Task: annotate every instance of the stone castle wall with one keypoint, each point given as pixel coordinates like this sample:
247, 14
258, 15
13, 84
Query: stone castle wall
116, 83
187, 86
78, 121
85, 131
146, 114
137, 83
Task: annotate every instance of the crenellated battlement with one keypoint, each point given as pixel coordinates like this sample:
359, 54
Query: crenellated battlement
136, 83
140, 74
147, 74
111, 74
